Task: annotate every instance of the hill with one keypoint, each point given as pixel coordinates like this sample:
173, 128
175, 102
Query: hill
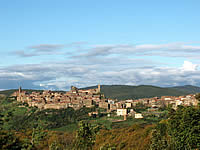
187, 88
11, 91
121, 92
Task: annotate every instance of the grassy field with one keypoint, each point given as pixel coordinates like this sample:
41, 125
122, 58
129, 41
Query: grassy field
118, 122
110, 123
67, 128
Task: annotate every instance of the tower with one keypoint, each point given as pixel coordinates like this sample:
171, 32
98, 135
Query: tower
19, 94
20, 89
99, 88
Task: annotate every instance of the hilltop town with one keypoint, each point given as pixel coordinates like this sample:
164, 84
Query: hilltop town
75, 98
64, 112
78, 98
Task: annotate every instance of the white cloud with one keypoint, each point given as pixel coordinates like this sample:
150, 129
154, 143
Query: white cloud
2, 89
62, 76
189, 66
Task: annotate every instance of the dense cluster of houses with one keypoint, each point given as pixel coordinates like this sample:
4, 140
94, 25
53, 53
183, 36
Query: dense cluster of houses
75, 98
78, 98
155, 103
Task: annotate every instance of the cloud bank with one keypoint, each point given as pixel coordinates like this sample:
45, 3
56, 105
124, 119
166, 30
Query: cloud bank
104, 64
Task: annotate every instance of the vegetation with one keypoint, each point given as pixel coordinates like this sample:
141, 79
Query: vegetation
184, 128
85, 136
21, 118
180, 131
187, 88
27, 128
10, 92
9, 141
135, 137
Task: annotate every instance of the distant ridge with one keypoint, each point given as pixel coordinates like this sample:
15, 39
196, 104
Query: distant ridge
122, 92
11, 91
187, 88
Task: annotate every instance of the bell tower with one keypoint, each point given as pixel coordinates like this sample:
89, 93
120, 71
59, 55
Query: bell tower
20, 89
19, 94
99, 88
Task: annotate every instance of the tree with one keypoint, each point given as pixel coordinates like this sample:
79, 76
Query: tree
85, 136
158, 139
37, 135
1, 121
180, 131
9, 141
108, 147
198, 98
184, 127
55, 146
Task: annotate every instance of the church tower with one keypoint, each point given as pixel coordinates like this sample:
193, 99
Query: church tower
99, 88
19, 94
20, 89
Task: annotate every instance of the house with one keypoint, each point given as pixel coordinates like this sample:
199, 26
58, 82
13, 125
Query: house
104, 104
138, 115
121, 112
128, 105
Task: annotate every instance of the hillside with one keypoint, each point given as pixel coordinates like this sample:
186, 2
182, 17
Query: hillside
127, 92
7, 92
121, 92
134, 92
123, 138
11, 91
187, 88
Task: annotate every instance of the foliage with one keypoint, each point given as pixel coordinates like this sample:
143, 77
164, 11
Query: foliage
158, 138
54, 146
37, 135
22, 140
19, 117
60, 140
135, 137
67, 128
85, 136
198, 98
184, 127
180, 131
9, 141
108, 147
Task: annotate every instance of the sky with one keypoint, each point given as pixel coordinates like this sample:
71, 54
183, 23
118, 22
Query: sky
48, 44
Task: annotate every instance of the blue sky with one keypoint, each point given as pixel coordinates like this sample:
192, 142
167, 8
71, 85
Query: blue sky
48, 44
